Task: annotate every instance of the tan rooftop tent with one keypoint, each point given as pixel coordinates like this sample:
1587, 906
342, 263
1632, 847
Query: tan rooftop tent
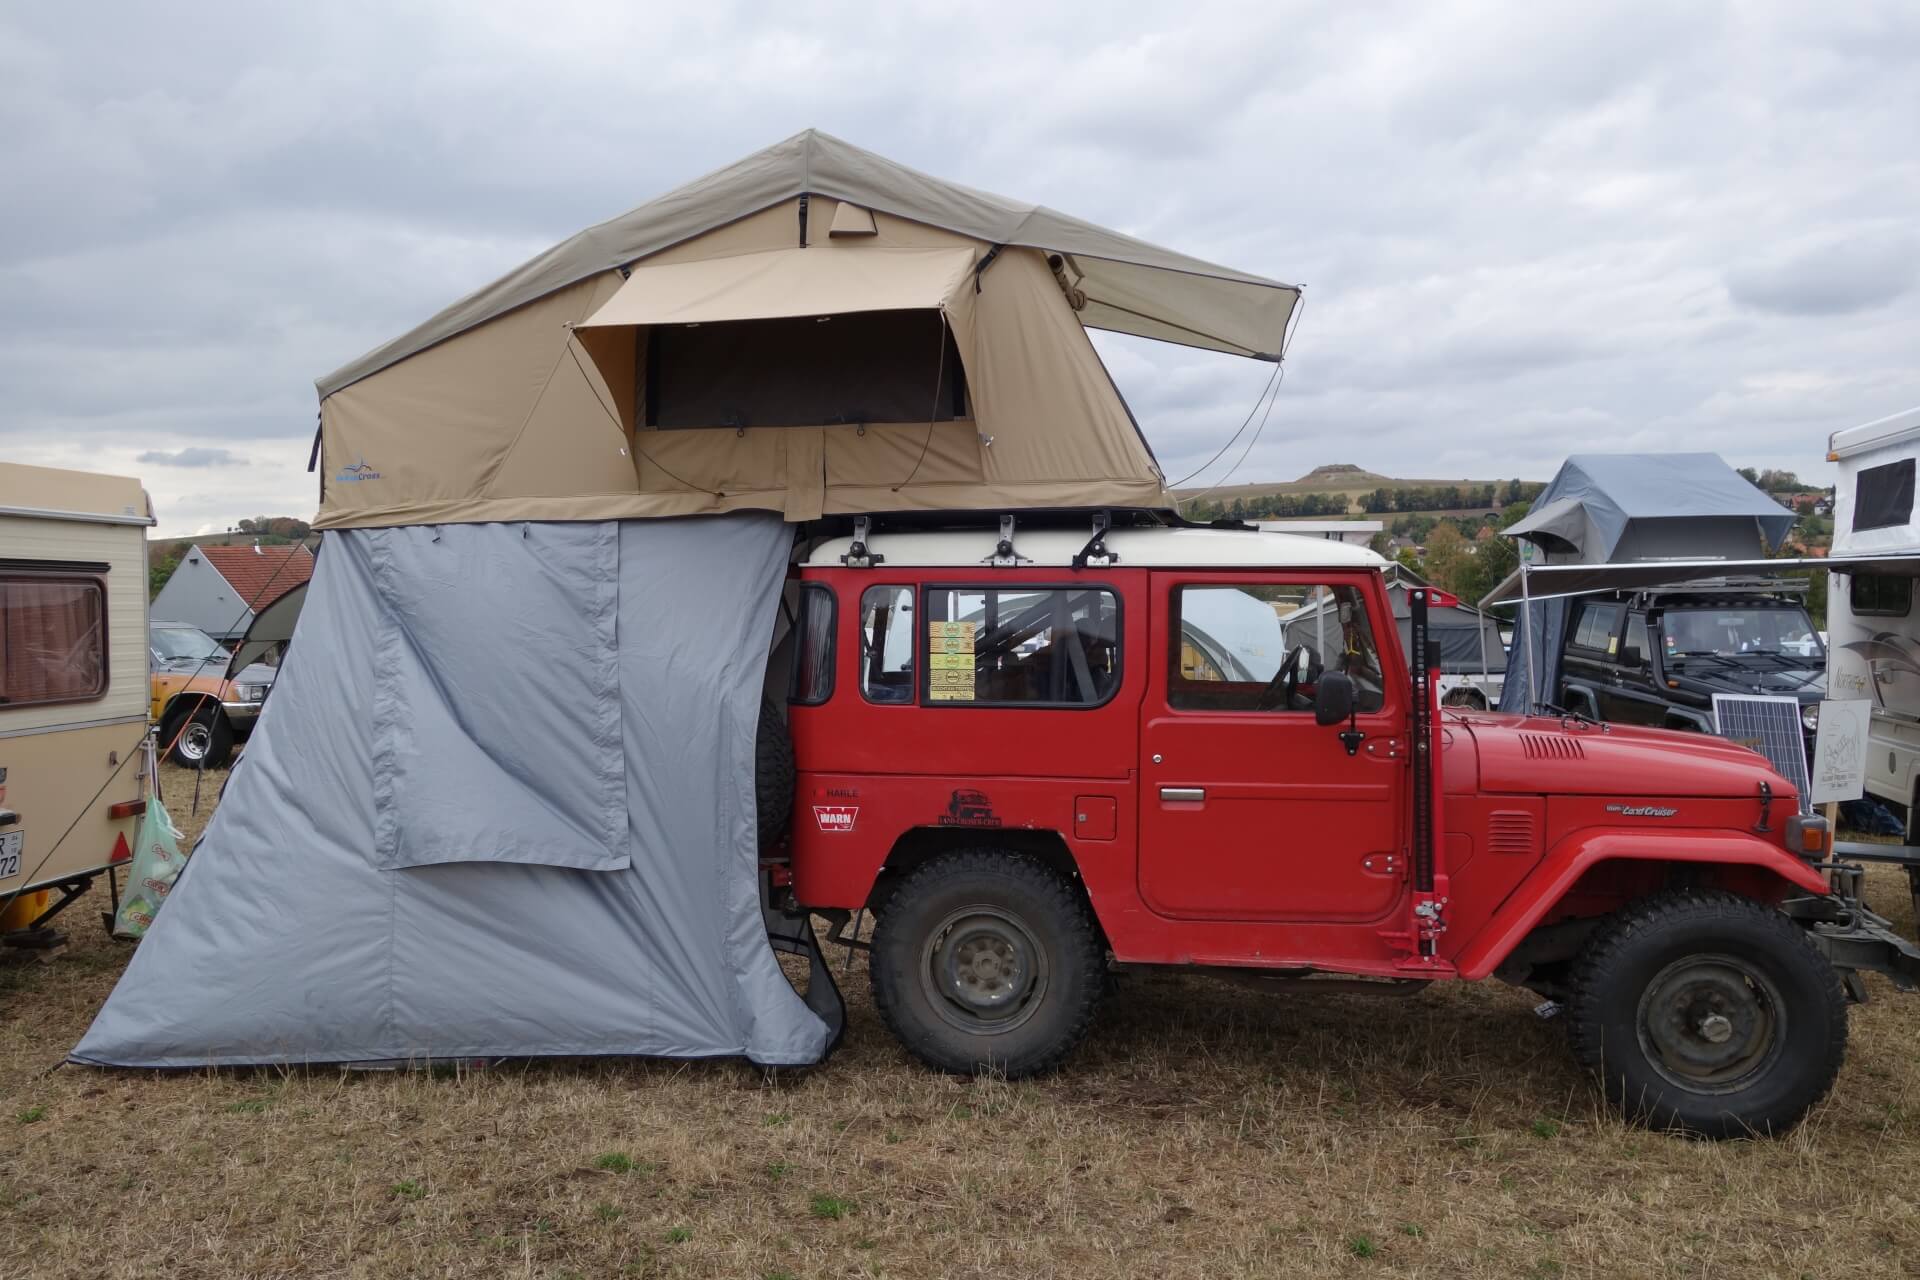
812, 330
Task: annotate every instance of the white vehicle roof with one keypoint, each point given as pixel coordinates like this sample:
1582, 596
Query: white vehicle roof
1137, 548
1892, 429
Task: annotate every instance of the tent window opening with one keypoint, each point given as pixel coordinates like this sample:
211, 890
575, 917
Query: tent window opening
53, 639
1880, 595
811, 371
886, 645
1883, 496
1052, 647
812, 682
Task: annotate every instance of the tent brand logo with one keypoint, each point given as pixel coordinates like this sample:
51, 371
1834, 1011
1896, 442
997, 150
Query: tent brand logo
361, 470
836, 817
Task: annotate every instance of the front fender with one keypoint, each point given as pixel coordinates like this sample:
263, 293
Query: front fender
1575, 855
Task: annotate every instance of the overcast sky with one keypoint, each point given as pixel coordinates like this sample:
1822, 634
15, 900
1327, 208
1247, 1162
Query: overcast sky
1525, 230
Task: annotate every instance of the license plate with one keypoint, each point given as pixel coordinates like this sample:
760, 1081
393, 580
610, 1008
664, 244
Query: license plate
10, 853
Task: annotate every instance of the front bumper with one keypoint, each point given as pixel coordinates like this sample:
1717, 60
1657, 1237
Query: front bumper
1853, 937
241, 715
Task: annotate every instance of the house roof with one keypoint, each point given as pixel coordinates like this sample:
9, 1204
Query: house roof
260, 575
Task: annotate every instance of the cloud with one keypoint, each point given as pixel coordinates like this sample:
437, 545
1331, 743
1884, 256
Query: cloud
1832, 279
196, 456
1523, 232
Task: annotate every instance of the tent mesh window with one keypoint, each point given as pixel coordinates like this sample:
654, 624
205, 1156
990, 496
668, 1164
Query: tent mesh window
811, 371
1883, 496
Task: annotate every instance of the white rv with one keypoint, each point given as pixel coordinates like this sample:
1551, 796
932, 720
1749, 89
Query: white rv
73, 686
1873, 628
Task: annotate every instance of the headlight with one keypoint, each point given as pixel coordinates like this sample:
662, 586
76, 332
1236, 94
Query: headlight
253, 692
1810, 717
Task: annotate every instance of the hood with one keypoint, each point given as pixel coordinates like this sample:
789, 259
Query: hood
1540, 755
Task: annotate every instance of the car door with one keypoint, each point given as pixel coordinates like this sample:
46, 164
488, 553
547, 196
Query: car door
1249, 810
1587, 663
1634, 696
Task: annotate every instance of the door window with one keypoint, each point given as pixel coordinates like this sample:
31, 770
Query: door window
1595, 628
886, 644
1638, 639
1262, 646
1027, 647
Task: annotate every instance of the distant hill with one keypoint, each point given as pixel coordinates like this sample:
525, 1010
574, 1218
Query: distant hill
1342, 488
1342, 473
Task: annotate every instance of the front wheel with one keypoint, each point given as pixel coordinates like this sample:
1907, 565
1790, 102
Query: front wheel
1710, 1013
986, 961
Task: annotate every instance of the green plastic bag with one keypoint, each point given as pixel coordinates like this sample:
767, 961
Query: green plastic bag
157, 863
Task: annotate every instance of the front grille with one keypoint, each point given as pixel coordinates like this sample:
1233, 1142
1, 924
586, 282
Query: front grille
1550, 746
1510, 831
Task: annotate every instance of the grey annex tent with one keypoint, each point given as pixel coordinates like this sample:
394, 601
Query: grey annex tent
501, 800
1628, 508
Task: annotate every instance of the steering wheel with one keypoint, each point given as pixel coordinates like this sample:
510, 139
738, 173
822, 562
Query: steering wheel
1280, 691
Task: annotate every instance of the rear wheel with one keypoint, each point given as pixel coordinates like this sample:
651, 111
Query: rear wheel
1708, 1012
987, 961
772, 776
202, 740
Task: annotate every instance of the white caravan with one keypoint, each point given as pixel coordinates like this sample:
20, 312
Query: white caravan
1873, 628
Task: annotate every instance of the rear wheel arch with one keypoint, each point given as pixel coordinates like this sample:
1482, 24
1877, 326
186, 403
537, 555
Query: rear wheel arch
918, 846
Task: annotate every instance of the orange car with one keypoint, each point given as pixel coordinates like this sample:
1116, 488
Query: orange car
201, 713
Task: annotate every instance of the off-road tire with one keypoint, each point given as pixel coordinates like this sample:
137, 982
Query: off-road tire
772, 776
1053, 914
209, 721
1609, 1021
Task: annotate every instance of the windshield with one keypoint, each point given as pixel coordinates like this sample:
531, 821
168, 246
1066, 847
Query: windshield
1780, 632
175, 644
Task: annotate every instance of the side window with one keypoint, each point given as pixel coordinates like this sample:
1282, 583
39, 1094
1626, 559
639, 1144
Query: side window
813, 647
53, 639
1883, 496
1262, 647
1594, 629
1023, 646
886, 644
1880, 595
1638, 638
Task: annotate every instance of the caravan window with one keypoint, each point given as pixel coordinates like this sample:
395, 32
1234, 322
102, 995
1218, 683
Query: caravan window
1883, 496
1880, 595
1031, 647
53, 639
813, 371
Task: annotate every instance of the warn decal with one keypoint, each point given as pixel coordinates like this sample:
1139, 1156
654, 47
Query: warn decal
835, 817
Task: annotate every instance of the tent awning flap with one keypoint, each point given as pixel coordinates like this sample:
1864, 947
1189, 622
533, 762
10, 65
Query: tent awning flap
785, 283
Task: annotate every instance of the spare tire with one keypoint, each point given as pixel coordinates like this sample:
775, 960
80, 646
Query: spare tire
772, 775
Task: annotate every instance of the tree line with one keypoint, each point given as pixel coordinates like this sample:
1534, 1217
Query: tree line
1490, 496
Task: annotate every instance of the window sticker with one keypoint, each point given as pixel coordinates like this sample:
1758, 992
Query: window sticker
950, 661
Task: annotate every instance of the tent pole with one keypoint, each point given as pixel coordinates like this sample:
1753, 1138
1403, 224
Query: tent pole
1526, 632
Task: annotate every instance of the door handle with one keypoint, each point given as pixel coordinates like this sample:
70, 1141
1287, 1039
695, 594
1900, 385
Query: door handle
1183, 793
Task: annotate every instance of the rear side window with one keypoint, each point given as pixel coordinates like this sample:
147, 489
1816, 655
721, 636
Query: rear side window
1878, 595
53, 639
813, 647
1022, 646
1594, 631
886, 644
1883, 496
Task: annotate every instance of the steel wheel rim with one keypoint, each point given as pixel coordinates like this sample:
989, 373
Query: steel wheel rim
195, 740
983, 971
1711, 1023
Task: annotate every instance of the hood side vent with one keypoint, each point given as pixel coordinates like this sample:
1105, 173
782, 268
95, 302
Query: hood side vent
1549, 746
1512, 831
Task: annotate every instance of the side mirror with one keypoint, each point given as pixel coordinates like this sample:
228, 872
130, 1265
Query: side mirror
1630, 656
1333, 698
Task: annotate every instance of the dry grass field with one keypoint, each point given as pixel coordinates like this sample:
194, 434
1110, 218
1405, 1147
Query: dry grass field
1203, 1131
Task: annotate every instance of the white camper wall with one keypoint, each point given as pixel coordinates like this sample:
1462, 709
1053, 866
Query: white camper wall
1873, 628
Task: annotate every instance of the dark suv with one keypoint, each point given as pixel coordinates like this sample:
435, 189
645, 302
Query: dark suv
1658, 657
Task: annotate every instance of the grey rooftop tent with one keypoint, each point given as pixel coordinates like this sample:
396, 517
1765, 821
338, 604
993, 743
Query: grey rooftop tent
501, 799
1617, 509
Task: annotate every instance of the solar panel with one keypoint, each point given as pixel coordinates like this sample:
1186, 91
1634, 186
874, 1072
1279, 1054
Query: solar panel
1770, 724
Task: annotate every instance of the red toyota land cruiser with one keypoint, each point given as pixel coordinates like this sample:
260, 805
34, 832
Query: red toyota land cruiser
1036, 756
